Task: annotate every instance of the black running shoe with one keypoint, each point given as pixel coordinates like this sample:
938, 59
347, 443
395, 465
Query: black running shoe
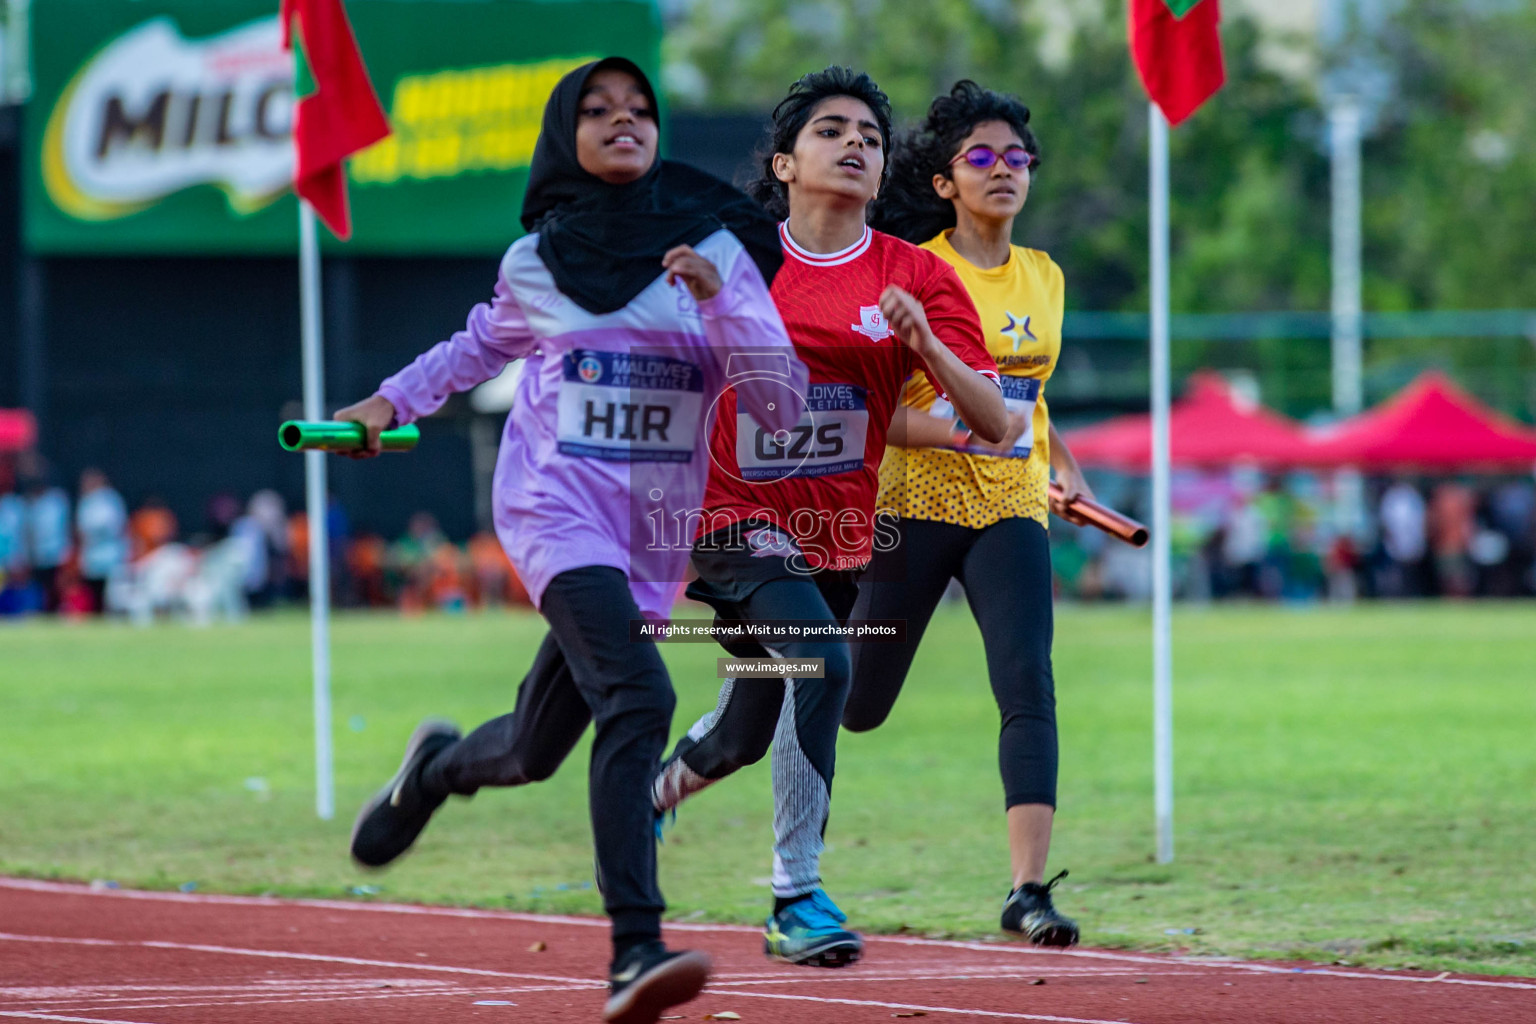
650, 979
390, 822
1028, 912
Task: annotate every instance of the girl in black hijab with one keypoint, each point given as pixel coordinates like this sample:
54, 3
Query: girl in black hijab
602, 233
639, 289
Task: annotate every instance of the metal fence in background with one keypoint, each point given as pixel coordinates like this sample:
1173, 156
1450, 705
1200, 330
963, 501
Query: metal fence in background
1285, 357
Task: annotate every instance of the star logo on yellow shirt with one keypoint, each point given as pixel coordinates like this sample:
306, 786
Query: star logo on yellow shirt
1017, 331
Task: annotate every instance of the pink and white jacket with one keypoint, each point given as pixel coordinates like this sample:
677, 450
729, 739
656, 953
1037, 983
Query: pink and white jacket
606, 451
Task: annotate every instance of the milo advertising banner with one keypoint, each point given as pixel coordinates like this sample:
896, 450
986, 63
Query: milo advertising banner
163, 126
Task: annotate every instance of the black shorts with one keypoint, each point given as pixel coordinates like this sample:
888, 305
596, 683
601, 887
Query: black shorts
734, 561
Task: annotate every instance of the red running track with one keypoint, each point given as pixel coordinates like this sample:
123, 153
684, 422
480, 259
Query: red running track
71, 954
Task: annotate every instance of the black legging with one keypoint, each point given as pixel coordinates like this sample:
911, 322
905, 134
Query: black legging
587, 668
1006, 571
743, 730
799, 718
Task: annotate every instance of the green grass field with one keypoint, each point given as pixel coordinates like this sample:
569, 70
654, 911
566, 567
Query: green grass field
1353, 785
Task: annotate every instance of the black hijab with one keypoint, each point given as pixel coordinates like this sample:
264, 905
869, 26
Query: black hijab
603, 243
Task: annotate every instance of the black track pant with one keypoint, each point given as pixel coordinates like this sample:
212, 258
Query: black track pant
743, 730
798, 719
1006, 571
586, 670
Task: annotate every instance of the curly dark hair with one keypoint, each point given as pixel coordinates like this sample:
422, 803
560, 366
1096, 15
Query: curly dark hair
908, 206
794, 112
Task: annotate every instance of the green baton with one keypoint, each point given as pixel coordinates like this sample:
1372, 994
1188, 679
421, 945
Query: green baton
341, 436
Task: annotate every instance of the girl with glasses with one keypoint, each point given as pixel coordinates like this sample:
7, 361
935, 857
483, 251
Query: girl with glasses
969, 509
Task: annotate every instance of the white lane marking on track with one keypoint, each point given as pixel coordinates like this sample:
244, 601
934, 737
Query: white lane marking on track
75, 889
277, 954
1331, 973
261, 994
94, 992
1002, 1014
948, 976
865, 970
119, 993
570, 984
69, 889
1230, 965
455, 993
1019, 949
51, 938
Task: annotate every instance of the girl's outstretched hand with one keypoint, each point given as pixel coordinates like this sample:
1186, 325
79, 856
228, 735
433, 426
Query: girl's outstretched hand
700, 275
1074, 486
375, 413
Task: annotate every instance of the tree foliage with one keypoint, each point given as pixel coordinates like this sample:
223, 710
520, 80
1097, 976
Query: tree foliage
1449, 163
1451, 178
1449, 173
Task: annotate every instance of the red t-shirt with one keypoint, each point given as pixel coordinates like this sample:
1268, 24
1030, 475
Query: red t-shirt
819, 482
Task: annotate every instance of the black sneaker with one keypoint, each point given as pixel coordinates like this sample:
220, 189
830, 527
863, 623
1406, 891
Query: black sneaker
390, 822
1028, 912
650, 979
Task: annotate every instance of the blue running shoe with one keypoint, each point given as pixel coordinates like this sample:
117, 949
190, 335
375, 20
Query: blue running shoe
822, 900
809, 933
661, 821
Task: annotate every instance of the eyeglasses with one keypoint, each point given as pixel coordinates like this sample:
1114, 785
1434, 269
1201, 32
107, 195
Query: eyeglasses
981, 157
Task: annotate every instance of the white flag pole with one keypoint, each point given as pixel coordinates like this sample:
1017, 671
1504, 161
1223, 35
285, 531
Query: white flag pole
1162, 578
16, 60
1344, 168
315, 495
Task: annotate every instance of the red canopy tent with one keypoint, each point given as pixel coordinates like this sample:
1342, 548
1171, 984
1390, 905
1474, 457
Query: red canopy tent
1432, 425
18, 430
1209, 426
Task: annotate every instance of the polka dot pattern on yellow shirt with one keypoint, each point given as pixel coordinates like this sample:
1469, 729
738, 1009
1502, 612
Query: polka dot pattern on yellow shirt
1021, 306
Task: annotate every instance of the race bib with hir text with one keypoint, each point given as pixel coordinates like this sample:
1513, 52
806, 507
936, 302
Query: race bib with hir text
629, 408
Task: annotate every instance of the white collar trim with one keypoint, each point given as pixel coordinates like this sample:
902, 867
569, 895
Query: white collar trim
825, 259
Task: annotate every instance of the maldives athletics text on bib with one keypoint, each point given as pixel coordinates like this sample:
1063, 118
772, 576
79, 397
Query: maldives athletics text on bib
1020, 395
629, 408
829, 438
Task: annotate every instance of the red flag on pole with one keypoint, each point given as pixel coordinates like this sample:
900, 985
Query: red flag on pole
340, 116
1177, 52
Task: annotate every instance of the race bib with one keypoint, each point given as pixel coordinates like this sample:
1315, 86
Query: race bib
1020, 395
828, 439
629, 408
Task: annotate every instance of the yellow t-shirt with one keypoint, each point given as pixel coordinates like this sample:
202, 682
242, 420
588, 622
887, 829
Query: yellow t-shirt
1020, 304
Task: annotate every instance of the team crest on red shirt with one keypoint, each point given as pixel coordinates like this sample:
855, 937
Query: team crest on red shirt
872, 323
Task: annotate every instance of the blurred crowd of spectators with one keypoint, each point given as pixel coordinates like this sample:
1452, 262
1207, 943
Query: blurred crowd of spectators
1312, 536
93, 555
1235, 534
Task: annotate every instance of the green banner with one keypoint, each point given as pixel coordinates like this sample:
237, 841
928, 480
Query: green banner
164, 126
